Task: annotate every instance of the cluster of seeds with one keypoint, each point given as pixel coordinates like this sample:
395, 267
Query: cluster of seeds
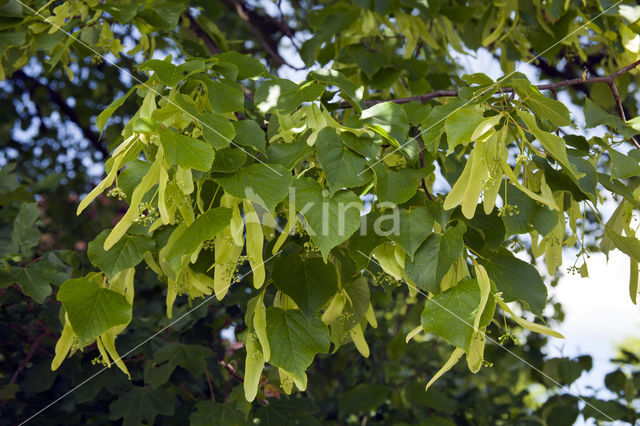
387, 280
508, 209
208, 245
99, 361
147, 214
117, 193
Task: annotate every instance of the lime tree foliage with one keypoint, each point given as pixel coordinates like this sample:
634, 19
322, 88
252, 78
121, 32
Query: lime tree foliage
243, 193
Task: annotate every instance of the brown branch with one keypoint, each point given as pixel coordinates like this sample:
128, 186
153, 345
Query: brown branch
421, 144
206, 373
454, 93
231, 369
211, 45
419, 98
268, 44
201, 34
553, 87
23, 364
57, 99
186, 392
616, 96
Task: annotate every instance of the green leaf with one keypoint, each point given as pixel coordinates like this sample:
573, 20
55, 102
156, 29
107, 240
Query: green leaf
229, 160
216, 130
606, 410
451, 313
289, 411
364, 397
623, 166
36, 279
141, 405
126, 253
205, 227
280, 95
460, 125
101, 119
363, 145
394, 186
186, 152
170, 74
517, 280
331, 220
554, 145
248, 133
542, 106
164, 15
490, 227
413, 227
566, 370
8, 179
224, 96
25, 234
389, 120
288, 154
9, 39
248, 66
342, 167
595, 116
360, 297
352, 92
528, 214
614, 185
434, 126
122, 12
628, 245
362, 243
172, 355
434, 258
360, 55
309, 282
209, 412
295, 339
92, 309
265, 184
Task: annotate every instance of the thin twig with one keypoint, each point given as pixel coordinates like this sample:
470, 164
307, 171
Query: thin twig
616, 96
454, 93
231, 369
23, 364
211, 45
206, 373
259, 34
201, 34
424, 184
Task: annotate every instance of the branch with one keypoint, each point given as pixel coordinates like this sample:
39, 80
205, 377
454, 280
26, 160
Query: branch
616, 96
421, 144
25, 361
608, 79
231, 369
454, 93
269, 45
211, 45
57, 99
201, 33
